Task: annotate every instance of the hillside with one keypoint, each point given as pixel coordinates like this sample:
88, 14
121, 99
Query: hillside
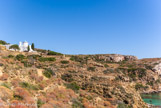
45, 79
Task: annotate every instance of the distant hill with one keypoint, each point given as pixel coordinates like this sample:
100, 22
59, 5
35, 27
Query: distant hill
48, 79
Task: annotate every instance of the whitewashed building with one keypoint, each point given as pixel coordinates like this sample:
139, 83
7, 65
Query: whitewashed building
24, 46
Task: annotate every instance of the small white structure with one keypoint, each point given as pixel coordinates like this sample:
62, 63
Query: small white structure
8, 46
30, 49
24, 47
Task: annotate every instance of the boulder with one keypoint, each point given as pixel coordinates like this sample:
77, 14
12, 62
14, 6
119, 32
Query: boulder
115, 57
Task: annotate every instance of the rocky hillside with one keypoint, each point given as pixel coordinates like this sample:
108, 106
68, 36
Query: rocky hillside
47, 79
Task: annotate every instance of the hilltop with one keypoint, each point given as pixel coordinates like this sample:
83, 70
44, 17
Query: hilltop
47, 79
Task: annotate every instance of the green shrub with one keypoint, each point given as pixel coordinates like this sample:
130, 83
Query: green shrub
77, 104
20, 57
148, 66
54, 53
91, 68
44, 59
3, 42
67, 77
109, 70
26, 64
64, 62
123, 105
41, 50
134, 72
106, 66
18, 97
140, 86
151, 83
82, 60
72, 71
73, 86
10, 56
40, 103
132, 76
7, 85
48, 73
142, 72
29, 86
158, 81
33, 56
15, 47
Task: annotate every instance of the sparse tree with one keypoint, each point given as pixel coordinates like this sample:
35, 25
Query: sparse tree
15, 47
3, 42
33, 46
28, 48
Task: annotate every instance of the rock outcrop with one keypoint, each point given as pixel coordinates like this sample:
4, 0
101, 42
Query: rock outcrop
157, 68
115, 58
85, 81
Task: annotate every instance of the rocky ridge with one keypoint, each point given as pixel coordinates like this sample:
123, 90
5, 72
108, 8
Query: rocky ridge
75, 81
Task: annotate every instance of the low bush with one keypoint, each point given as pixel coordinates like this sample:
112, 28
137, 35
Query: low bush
7, 85
64, 62
67, 77
106, 66
54, 53
82, 60
20, 57
29, 86
109, 70
40, 103
73, 86
142, 72
44, 59
134, 72
91, 68
18, 97
132, 76
148, 66
72, 71
26, 64
41, 50
151, 83
10, 56
33, 56
123, 105
77, 104
139, 86
48, 73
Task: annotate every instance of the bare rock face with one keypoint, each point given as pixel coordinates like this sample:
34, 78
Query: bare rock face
116, 58
130, 58
157, 68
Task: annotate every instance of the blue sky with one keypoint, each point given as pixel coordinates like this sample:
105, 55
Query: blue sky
130, 27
